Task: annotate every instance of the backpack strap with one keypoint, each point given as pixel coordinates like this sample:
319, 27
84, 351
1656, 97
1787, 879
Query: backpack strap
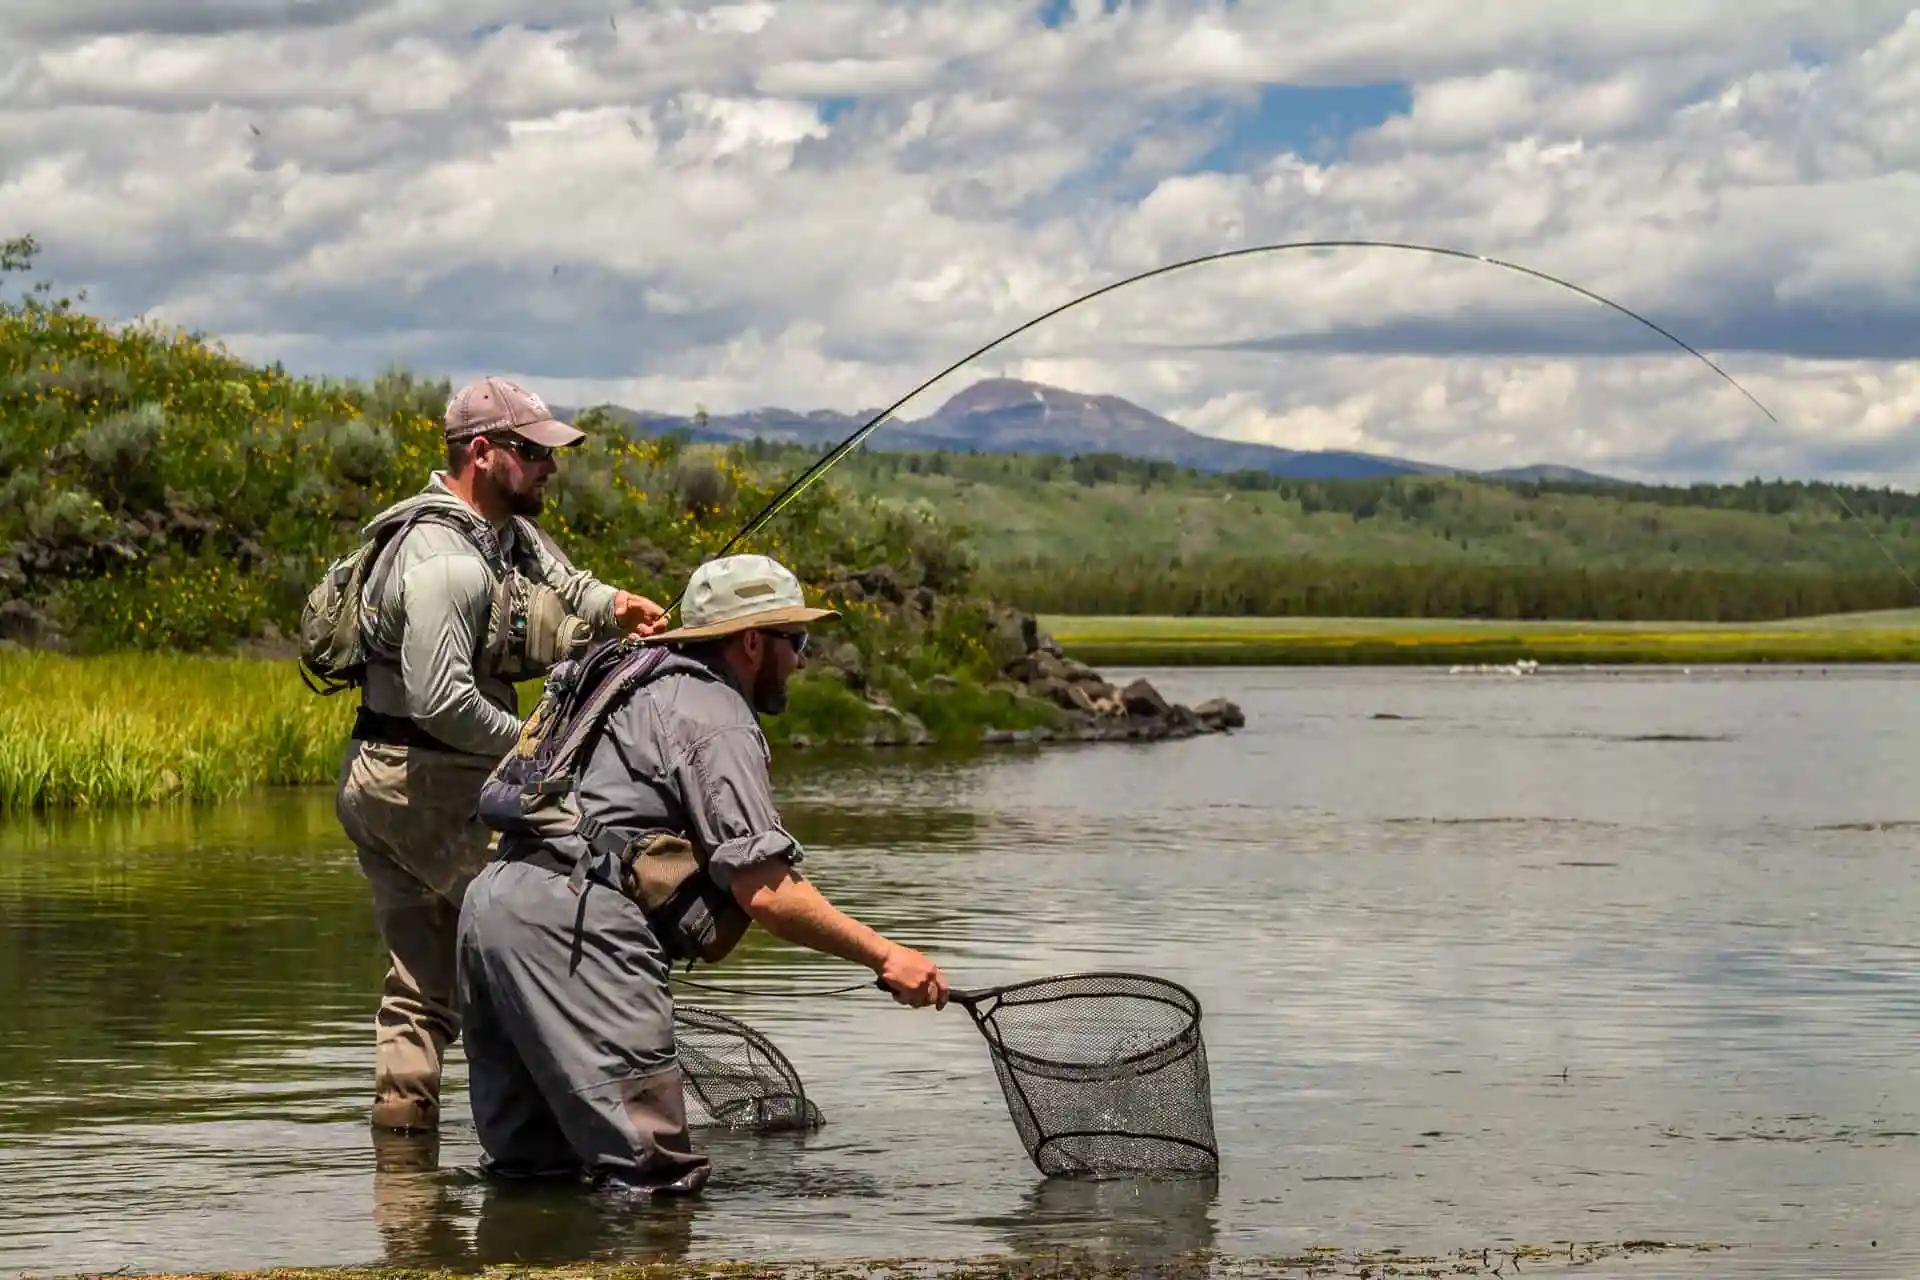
562, 770
476, 531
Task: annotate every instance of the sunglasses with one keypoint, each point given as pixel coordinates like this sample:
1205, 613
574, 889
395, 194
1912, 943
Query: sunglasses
798, 639
527, 449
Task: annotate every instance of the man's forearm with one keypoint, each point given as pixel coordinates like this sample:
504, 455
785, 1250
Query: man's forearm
794, 911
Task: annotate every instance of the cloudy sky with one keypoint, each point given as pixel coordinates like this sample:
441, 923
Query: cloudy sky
820, 204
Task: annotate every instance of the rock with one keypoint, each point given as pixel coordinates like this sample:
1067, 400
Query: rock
1218, 713
800, 742
1099, 690
22, 622
1078, 671
1064, 694
881, 582
1144, 701
943, 681
892, 727
841, 660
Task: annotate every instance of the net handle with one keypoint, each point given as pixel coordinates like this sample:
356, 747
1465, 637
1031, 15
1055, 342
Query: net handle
972, 998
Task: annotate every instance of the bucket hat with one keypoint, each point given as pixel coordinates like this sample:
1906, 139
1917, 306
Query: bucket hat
740, 593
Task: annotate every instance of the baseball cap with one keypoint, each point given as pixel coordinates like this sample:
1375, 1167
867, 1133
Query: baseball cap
740, 593
490, 405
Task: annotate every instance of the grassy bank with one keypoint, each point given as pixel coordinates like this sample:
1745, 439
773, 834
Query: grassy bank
1889, 636
147, 728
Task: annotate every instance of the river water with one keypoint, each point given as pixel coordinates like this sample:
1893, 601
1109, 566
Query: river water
1486, 960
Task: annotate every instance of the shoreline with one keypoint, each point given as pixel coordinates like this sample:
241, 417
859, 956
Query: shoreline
146, 728
1878, 638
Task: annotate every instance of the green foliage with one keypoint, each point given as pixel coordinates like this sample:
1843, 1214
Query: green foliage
165, 495
1272, 588
1027, 509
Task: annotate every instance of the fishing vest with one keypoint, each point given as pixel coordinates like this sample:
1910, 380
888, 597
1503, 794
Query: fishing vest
529, 626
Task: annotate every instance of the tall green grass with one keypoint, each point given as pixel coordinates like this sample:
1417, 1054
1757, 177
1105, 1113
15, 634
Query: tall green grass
1887, 636
139, 729
143, 728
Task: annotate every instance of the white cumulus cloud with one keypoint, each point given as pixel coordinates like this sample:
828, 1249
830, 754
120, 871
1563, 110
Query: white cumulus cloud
817, 204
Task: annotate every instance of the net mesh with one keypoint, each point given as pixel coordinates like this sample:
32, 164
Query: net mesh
737, 1076
1105, 1073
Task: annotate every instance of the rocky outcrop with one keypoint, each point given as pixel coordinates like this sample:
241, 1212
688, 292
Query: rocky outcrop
1094, 709
1082, 703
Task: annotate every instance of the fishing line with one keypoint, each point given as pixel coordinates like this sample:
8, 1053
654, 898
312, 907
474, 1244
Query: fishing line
807, 478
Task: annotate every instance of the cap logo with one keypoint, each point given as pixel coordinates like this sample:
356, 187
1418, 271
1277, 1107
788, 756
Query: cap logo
755, 589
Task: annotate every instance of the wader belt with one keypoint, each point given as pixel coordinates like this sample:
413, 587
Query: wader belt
393, 731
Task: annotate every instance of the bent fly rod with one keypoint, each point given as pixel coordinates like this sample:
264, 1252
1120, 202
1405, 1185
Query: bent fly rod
807, 478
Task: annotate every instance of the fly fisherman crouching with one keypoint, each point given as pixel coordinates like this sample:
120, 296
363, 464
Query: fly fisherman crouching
639, 830
453, 595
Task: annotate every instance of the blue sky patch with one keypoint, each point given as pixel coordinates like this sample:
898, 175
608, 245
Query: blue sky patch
1316, 122
1057, 13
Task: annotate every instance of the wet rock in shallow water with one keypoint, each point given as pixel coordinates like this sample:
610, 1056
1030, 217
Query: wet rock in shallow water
1143, 700
1220, 713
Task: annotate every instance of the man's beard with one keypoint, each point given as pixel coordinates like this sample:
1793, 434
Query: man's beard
520, 504
769, 694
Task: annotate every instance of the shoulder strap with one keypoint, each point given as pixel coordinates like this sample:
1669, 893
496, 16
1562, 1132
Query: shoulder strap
533, 540
477, 532
633, 670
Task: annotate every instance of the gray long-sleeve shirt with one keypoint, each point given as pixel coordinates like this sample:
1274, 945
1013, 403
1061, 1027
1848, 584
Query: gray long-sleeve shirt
686, 753
432, 613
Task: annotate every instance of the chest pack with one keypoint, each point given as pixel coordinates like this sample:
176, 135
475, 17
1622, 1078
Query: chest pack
528, 630
532, 799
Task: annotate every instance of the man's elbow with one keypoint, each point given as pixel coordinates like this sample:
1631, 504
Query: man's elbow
758, 889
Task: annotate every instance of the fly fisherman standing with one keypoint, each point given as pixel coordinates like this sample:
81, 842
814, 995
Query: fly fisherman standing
466, 598
648, 836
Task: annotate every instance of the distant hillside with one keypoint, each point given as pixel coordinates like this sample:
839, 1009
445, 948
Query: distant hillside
1048, 510
1008, 416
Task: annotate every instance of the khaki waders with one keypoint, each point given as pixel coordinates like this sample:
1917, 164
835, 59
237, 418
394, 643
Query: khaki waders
409, 811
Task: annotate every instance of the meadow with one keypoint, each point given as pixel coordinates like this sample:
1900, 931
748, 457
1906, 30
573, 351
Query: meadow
1878, 636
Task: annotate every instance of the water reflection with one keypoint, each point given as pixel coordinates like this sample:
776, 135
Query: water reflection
1146, 1219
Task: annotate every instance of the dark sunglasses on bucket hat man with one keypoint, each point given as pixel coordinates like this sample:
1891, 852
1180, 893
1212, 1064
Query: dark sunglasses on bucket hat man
494, 407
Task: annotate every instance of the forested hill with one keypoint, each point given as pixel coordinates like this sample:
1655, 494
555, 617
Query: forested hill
1101, 533
1061, 508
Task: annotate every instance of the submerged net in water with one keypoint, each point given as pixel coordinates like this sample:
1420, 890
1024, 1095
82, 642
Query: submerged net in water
1105, 1073
737, 1076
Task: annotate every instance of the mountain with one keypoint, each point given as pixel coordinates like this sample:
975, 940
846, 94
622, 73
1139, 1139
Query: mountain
1007, 415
